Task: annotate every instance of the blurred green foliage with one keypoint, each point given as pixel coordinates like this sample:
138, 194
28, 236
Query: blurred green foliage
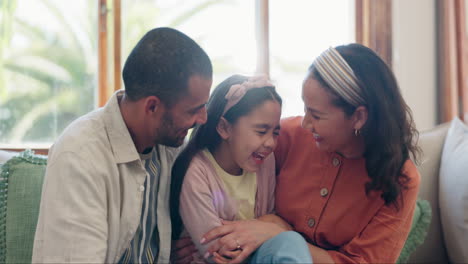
48, 73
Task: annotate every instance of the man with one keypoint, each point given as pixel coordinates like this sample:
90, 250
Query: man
106, 191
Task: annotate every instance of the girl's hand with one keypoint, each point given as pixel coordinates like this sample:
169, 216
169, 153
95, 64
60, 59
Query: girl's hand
246, 235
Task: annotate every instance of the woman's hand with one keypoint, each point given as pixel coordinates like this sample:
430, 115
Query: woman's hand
246, 235
182, 250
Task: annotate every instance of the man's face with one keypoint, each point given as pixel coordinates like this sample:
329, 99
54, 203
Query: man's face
188, 111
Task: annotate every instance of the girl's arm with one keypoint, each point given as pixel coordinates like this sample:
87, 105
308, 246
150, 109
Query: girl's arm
196, 204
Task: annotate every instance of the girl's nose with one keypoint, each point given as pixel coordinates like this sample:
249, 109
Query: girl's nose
270, 142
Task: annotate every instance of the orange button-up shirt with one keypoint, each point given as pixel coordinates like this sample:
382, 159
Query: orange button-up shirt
322, 195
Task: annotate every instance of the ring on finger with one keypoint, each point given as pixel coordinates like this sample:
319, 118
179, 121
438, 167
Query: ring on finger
238, 244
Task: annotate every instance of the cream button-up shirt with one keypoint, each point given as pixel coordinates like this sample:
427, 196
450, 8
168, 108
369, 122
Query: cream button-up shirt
91, 198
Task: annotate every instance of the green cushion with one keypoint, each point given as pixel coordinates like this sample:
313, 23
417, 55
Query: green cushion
421, 220
20, 194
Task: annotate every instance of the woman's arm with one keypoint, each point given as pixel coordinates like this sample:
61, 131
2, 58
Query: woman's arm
272, 218
355, 251
319, 255
256, 232
249, 234
384, 236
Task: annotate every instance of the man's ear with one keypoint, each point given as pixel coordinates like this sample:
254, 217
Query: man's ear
224, 128
152, 104
360, 117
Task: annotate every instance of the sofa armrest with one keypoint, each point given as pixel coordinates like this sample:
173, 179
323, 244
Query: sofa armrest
6, 155
431, 142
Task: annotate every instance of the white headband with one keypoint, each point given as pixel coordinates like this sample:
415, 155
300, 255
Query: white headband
336, 72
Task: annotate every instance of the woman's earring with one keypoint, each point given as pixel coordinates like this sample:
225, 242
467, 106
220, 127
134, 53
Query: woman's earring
357, 132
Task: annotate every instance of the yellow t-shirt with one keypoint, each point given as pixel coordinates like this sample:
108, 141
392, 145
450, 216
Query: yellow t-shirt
242, 188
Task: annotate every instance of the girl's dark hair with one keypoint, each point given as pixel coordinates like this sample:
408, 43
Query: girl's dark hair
389, 134
206, 135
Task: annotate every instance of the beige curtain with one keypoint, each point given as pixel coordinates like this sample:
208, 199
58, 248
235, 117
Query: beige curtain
374, 26
453, 89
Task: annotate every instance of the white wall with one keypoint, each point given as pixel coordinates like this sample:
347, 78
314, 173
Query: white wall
415, 57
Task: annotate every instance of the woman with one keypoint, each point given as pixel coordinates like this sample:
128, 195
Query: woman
345, 176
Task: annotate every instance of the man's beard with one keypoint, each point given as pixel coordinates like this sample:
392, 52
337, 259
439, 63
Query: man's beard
167, 134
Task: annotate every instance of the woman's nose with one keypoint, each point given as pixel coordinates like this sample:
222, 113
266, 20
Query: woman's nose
307, 123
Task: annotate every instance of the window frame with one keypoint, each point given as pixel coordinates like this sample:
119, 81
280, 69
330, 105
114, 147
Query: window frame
373, 29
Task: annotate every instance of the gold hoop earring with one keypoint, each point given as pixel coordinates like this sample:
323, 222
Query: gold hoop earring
357, 132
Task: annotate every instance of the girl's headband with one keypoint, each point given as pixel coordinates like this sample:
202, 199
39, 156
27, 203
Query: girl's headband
237, 91
339, 76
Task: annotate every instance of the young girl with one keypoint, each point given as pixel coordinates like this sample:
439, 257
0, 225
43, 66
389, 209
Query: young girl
229, 172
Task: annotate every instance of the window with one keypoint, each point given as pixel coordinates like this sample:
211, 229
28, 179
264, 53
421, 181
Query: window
48, 74
298, 34
224, 29
230, 32
51, 74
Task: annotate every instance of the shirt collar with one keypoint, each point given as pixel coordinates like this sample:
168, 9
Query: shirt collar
121, 142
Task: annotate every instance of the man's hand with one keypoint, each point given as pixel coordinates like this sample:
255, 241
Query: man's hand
227, 258
182, 250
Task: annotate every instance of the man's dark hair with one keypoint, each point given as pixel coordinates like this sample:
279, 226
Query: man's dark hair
162, 63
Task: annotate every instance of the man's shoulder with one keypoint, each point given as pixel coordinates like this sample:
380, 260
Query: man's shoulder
84, 132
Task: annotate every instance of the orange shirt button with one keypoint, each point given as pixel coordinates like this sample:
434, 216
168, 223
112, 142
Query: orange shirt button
324, 192
336, 162
311, 222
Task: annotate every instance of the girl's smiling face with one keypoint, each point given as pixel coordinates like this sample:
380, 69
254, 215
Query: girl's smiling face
251, 138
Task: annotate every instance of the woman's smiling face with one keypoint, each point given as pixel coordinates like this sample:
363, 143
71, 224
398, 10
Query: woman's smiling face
332, 130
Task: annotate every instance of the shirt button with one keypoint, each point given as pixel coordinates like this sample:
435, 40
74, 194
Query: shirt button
324, 192
336, 162
142, 188
311, 222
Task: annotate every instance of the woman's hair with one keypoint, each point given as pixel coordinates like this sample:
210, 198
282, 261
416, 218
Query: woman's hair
389, 133
206, 135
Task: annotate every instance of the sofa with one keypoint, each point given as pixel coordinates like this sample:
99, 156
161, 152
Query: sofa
431, 142
432, 249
